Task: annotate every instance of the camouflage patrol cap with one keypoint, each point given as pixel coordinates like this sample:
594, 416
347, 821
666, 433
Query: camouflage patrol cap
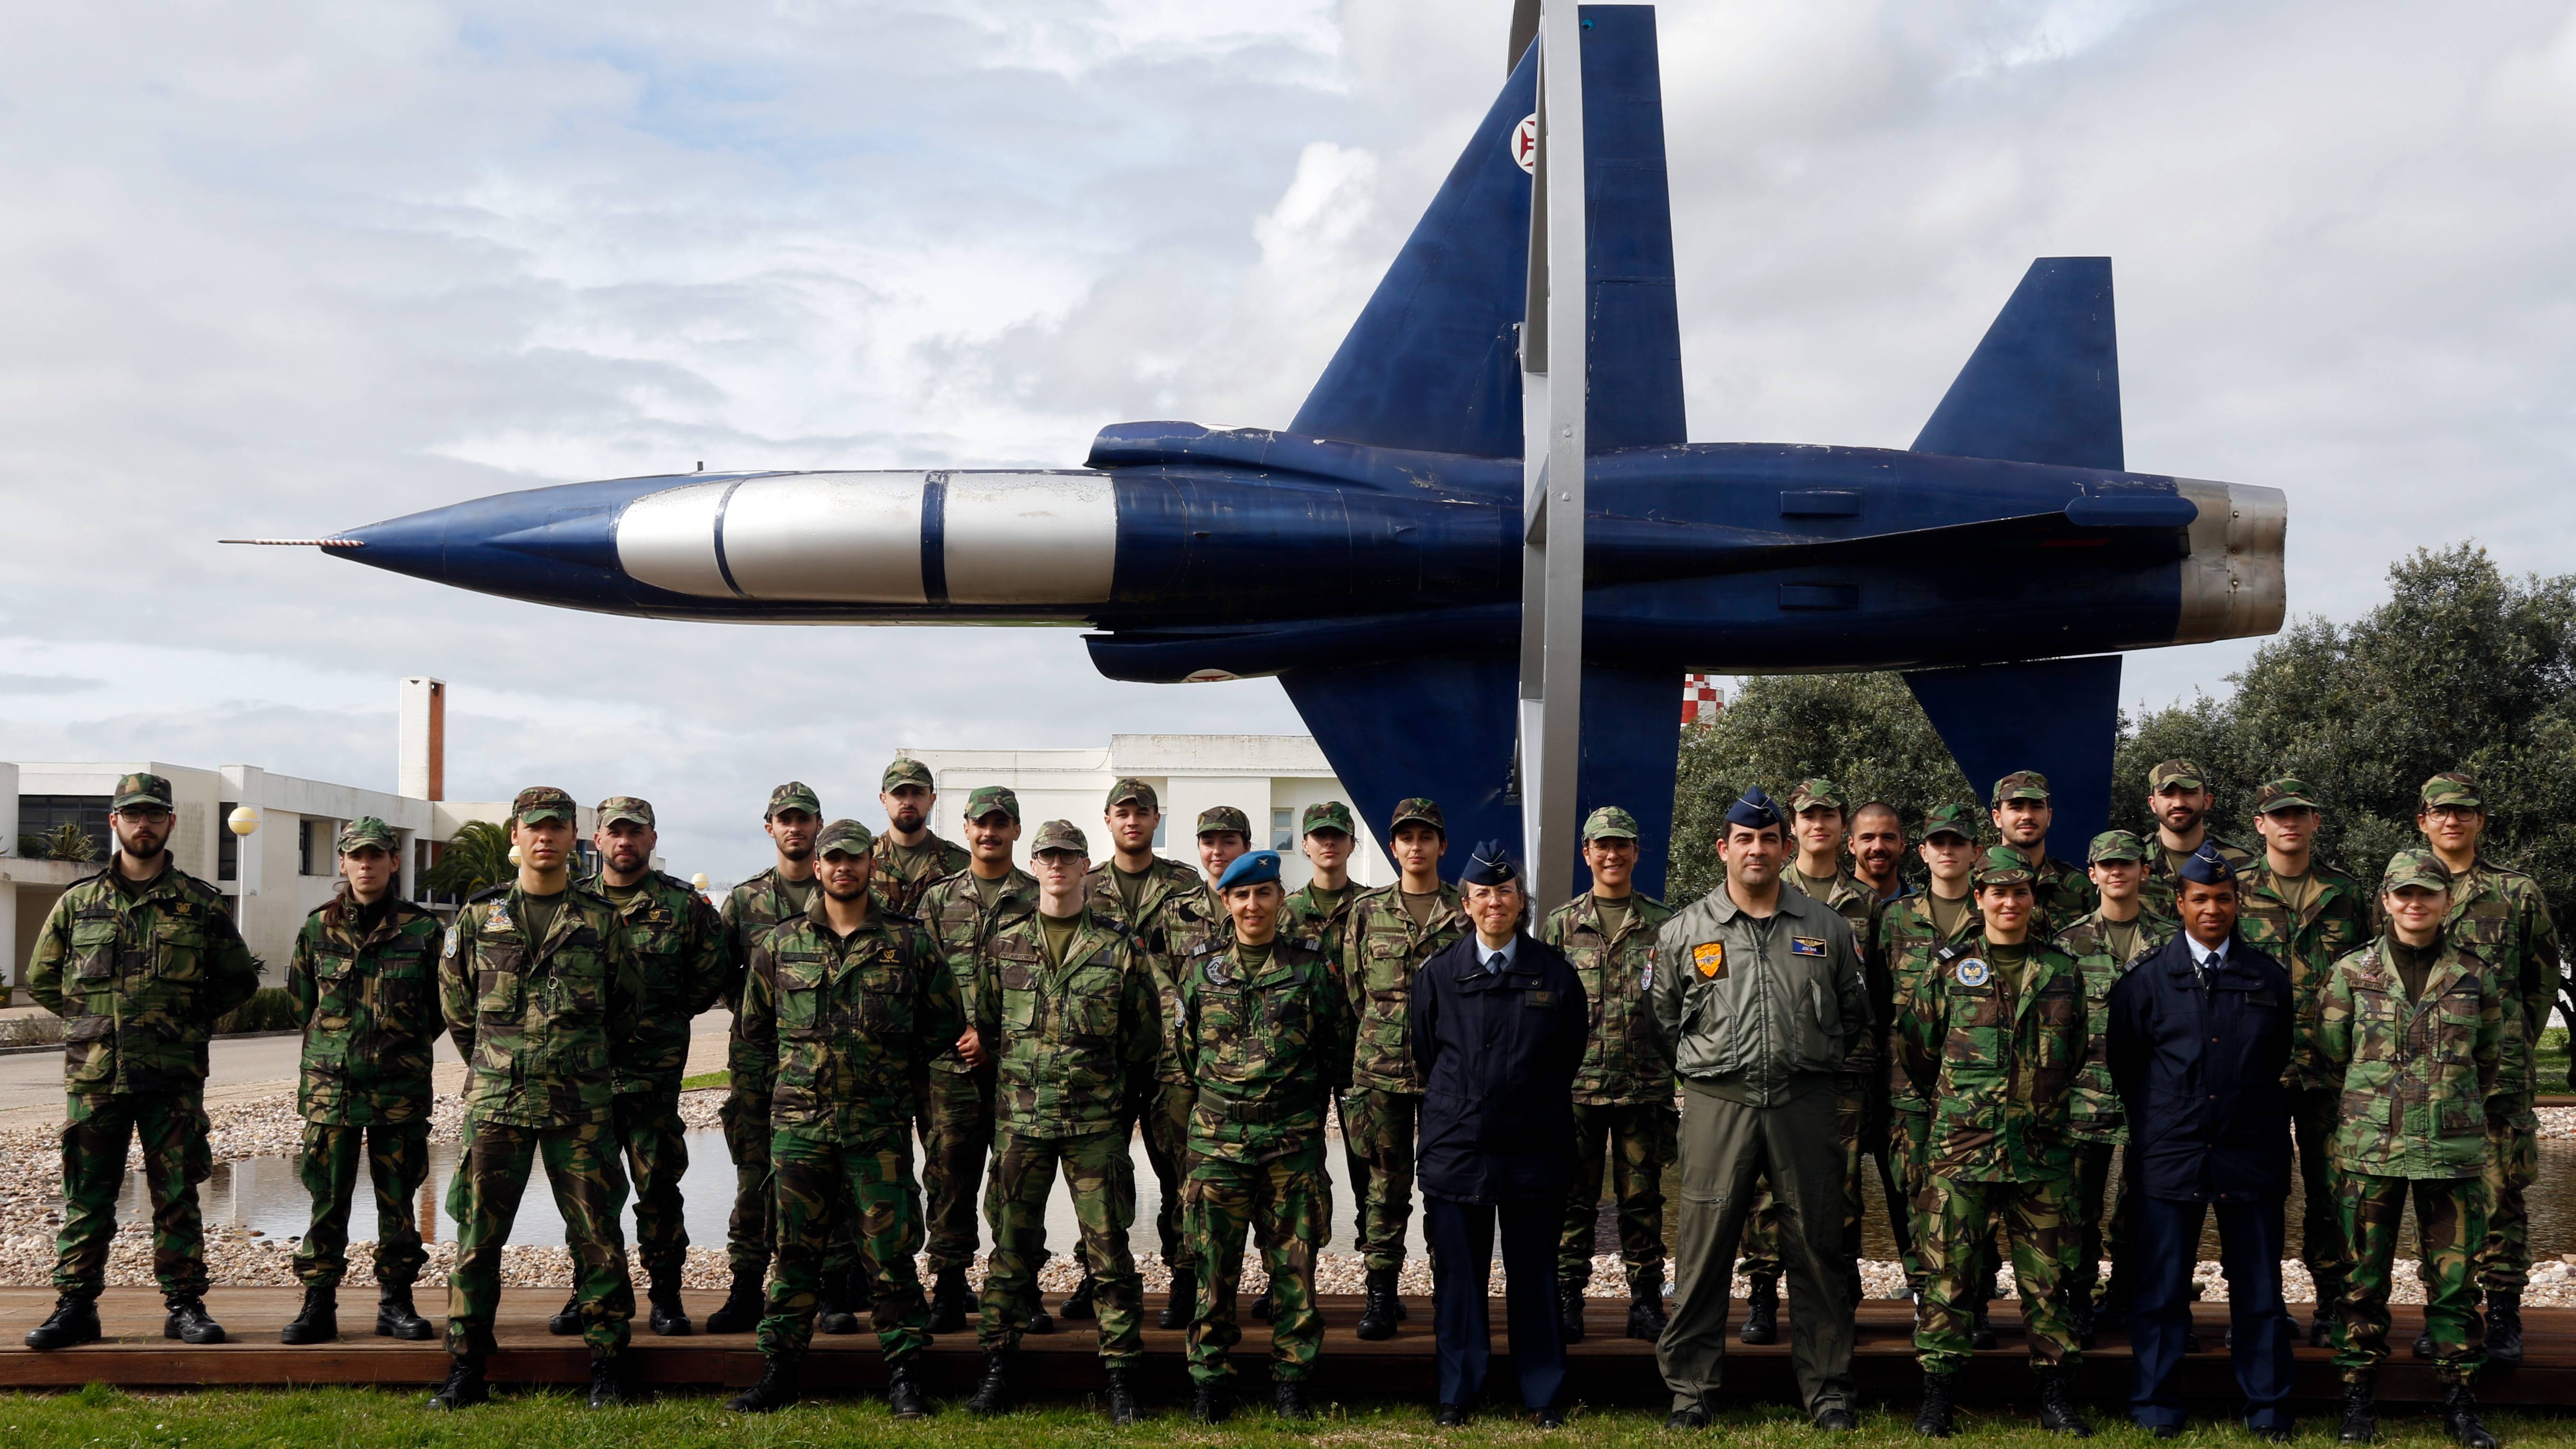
142, 792
1950, 819
2415, 867
2002, 865
1418, 810
1815, 794
1609, 823
1131, 788
983, 800
625, 807
794, 795
2283, 794
364, 832
2456, 788
2115, 845
2176, 772
1330, 815
1218, 818
2021, 785
905, 771
543, 802
844, 837
1061, 835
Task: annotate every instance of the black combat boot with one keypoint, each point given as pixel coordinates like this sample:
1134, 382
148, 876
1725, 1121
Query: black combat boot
1288, 1396
607, 1381
1183, 1305
1083, 1304
2460, 1417
75, 1321
775, 1391
740, 1312
1646, 1316
669, 1319
1261, 1309
1761, 1312
1210, 1404
835, 1314
1693, 1417
1569, 1311
396, 1318
2079, 1319
2360, 1416
1120, 1400
567, 1319
992, 1394
1981, 1329
948, 1302
1039, 1321
465, 1386
2321, 1323
1377, 1315
1932, 1421
2057, 1411
318, 1321
190, 1323
2504, 1328
904, 1395
2424, 1345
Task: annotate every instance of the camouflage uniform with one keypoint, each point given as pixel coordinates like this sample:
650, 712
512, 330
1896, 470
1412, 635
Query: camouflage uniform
1907, 942
544, 1027
139, 973
2096, 1122
1264, 1046
2416, 1080
1320, 924
1623, 1092
369, 999
1069, 1037
751, 911
2307, 943
956, 1120
899, 884
1994, 1049
845, 1024
1381, 948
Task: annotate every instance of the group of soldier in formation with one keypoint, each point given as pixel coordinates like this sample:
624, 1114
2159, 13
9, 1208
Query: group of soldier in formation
1980, 1047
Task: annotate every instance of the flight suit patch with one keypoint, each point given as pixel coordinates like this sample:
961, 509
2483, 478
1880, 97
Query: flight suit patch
1710, 958
1806, 945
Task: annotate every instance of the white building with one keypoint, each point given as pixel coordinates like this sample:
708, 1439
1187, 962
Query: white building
1270, 778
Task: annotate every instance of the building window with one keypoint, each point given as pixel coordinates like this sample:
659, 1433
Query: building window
227, 844
307, 846
1162, 830
1283, 828
44, 816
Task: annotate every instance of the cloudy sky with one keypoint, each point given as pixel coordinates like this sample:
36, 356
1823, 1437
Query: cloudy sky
282, 268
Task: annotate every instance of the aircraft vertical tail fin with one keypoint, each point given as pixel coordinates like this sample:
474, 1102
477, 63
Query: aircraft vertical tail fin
2044, 384
2060, 717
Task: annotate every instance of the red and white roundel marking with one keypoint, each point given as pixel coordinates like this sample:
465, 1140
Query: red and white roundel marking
1525, 143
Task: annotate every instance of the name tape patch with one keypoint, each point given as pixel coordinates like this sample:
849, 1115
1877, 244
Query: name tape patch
1806, 945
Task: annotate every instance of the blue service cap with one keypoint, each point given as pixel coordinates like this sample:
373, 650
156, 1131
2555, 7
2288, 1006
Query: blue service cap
2207, 866
1254, 867
1754, 810
1489, 865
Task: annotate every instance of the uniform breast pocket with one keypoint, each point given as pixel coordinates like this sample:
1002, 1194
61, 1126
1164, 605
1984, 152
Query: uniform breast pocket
500, 988
800, 999
1091, 1002
1223, 1028
580, 983
1019, 996
334, 988
94, 949
885, 1001
2455, 1027
178, 950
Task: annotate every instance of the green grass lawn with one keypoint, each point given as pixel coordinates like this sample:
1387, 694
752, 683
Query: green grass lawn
717, 1078
2549, 1075
344, 1418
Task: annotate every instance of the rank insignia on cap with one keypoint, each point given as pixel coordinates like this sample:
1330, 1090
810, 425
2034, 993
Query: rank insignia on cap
1710, 958
1806, 946
1974, 972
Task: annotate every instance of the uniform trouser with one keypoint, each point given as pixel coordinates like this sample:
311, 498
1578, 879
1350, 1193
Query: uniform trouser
1762, 1224
1102, 1178
1286, 1201
2513, 1163
1959, 1217
2450, 1221
1377, 1127
589, 1183
396, 1156
815, 1174
2159, 1282
2103, 1216
956, 1128
1724, 1147
655, 1143
1637, 1140
1162, 1111
1908, 1133
754, 1223
1461, 1237
171, 1128
2315, 1113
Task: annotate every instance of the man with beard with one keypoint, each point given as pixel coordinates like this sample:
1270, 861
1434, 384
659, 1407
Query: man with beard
2178, 794
139, 960
2022, 814
679, 946
1877, 847
909, 858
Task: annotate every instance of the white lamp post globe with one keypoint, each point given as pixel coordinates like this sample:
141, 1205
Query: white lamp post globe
514, 856
242, 821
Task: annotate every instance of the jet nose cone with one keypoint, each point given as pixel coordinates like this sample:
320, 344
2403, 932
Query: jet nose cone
414, 544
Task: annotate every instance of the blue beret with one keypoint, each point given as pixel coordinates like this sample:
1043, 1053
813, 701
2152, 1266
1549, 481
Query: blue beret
1490, 865
2207, 866
1753, 810
1251, 868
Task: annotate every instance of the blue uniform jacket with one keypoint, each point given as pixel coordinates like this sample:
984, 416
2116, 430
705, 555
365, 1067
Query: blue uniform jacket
2200, 1075
1498, 1056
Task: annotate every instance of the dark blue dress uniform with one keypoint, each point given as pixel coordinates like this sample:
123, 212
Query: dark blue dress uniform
2198, 1040
1498, 1045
